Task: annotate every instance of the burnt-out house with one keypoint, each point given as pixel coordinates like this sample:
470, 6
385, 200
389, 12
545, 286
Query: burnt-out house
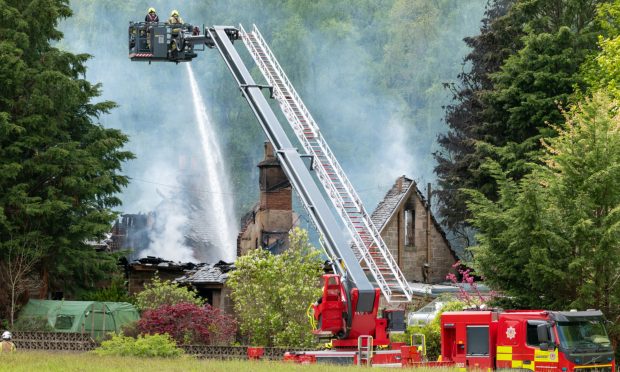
143, 270
206, 279
414, 237
131, 233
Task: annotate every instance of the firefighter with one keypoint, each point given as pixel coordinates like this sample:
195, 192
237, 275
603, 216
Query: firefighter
7, 346
175, 18
151, 16
175, 44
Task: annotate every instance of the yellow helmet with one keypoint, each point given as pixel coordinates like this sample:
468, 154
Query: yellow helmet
175, 13
152, 10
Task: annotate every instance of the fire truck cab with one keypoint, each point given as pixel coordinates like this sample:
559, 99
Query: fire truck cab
534, 340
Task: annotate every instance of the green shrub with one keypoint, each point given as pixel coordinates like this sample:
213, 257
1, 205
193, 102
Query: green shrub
32, 324
143, 346
158, 293
271, 293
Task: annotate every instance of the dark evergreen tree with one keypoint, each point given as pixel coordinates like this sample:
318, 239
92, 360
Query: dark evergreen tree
59, 169
457, 165
534, 82
524, 65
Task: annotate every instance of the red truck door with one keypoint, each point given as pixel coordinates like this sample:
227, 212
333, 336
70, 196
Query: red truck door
518, 346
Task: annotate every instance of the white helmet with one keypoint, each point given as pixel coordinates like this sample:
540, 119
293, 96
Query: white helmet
6, 335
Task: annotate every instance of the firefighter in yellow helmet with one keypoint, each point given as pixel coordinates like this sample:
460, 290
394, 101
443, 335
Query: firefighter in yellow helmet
151, 16
175, 18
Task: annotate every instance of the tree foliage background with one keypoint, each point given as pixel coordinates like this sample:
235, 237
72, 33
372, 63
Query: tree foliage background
531, 125
370, 72
525, 63
60, 170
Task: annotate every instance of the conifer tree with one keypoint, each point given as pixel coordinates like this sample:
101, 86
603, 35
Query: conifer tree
551, 240
457, 163
502, 108
59, 169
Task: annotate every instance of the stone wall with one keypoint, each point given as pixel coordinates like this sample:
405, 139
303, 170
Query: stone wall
264, 220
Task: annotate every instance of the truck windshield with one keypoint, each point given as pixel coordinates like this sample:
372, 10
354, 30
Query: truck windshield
583, 336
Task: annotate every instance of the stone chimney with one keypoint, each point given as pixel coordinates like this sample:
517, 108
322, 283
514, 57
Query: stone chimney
275, 189
399, 184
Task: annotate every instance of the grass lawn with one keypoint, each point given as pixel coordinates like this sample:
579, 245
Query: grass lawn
61, 361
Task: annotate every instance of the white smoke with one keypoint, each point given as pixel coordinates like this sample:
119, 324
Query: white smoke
168, 234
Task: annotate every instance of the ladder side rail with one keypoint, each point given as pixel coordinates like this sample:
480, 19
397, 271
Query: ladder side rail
338, 201
390, 261
311, 122
286, 80
364, 253
319, 138
289, 112
276, 90
299, 127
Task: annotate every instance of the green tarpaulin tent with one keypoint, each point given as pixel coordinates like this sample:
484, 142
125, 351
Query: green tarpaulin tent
90, 317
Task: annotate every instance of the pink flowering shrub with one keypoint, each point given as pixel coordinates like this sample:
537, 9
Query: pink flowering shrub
473, 297
189, 323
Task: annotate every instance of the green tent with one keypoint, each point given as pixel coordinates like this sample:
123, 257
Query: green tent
89, 317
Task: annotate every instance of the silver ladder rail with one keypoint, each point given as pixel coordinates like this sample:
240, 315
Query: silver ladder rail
369, 246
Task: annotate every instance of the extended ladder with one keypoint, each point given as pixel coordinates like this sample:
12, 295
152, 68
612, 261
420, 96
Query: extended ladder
369, 247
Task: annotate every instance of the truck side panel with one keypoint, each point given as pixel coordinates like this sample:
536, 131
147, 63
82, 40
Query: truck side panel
468, 338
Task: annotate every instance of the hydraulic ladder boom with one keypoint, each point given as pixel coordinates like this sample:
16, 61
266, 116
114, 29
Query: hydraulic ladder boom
334, 240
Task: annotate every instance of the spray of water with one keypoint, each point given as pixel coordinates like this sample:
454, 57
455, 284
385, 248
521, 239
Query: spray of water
220, 208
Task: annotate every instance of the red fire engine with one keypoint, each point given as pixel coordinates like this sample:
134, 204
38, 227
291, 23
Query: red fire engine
536, 340
527, 339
